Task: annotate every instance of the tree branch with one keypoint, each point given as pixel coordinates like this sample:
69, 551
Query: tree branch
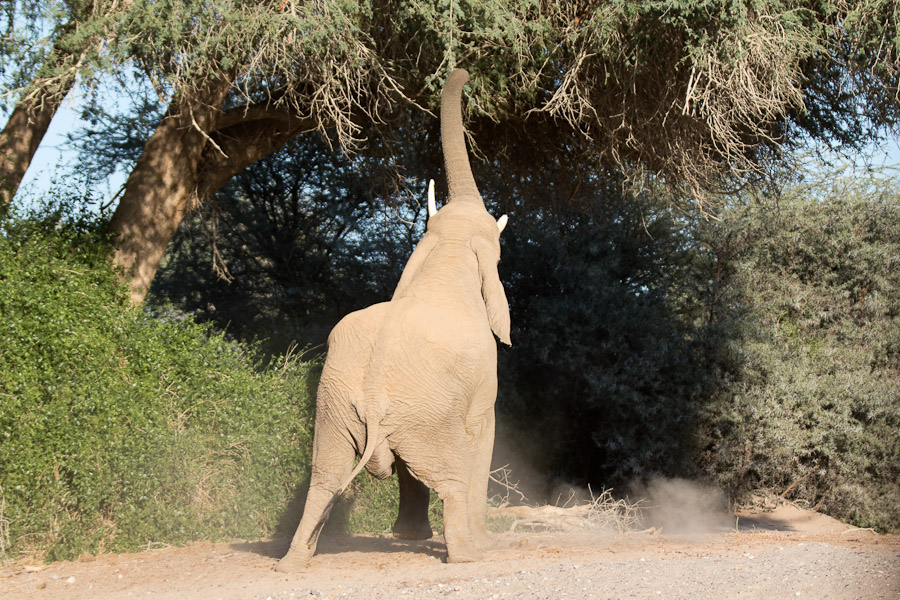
240, 143
263, 111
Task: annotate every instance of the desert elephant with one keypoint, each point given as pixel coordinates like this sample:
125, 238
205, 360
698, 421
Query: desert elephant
413, 381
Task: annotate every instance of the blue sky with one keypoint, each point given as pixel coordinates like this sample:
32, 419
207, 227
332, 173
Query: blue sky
54, 157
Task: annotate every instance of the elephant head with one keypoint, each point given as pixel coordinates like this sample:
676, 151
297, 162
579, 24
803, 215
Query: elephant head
462, 222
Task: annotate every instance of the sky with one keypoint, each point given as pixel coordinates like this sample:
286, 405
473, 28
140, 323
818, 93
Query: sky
55, 152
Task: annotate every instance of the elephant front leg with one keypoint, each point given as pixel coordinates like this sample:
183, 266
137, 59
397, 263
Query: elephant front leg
412, 520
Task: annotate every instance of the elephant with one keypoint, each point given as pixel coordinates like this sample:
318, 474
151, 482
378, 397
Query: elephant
411, 383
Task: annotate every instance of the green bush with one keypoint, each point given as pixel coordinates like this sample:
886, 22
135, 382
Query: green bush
811, 298
120, 428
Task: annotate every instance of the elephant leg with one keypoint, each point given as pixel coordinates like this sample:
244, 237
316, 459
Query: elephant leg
412, 520
444, 465
332, 462
481, 443
460, 545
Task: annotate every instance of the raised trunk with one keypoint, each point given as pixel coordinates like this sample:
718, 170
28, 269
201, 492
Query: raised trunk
181, 166
163, 185
22, 135
453, 140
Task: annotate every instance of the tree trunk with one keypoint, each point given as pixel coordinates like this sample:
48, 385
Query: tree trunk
163, 184
32, 114
194, 151
22, 135
246, 135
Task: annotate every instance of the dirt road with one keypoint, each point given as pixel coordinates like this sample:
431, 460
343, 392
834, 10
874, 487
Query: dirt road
786, 554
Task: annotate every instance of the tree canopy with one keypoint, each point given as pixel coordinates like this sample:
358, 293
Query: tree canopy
698, 94
690, 90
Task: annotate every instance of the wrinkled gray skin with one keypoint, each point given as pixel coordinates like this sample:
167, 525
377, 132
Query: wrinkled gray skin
411, 383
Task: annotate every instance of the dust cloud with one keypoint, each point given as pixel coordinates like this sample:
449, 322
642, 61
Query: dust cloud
682, 508
676, 507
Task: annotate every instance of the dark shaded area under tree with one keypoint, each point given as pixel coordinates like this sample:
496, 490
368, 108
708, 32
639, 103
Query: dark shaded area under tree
646, 340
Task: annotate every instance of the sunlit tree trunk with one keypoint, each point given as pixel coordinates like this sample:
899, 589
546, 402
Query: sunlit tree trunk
163, 184
25, 129
194, 151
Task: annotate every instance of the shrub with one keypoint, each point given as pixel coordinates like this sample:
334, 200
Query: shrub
812, 296
120, 428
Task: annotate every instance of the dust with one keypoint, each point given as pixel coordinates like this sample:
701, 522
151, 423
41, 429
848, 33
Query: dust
672, 506
682, 508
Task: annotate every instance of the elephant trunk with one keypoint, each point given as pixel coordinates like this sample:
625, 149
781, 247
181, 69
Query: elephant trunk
453, 140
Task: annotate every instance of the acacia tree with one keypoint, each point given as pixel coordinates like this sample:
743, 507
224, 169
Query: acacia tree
283, 68
41, 67
696, 93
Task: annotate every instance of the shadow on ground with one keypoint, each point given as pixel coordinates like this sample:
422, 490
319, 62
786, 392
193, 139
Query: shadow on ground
337, 544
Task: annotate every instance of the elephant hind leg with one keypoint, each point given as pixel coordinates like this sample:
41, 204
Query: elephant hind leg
305, 539
332, 462
481, 436
412, 520
460, 545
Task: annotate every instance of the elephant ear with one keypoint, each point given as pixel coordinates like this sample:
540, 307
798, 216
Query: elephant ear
423, 249
495, 301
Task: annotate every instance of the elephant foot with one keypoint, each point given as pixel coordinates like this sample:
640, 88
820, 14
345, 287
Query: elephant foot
484, 541
463, 553
294, 561
412, 531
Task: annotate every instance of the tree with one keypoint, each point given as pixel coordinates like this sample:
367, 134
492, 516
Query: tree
247, 49
697, 93
43, 76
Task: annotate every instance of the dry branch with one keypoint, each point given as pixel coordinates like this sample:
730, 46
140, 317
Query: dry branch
602, 512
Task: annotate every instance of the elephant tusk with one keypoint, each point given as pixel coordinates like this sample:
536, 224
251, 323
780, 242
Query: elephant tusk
432, 207
501, 223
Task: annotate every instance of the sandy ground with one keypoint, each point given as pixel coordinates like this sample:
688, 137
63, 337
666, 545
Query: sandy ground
788, 553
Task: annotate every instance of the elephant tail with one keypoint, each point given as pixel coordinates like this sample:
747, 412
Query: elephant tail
372, 425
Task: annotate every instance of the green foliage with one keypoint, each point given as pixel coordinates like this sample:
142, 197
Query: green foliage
685, 89
119, 427
370, 505
45, 43
812, 300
